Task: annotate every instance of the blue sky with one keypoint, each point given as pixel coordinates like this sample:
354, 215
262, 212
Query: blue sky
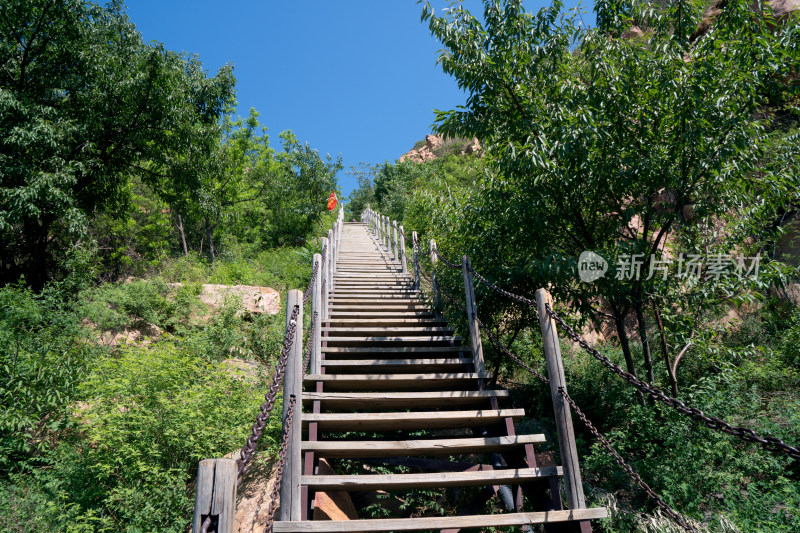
352, 77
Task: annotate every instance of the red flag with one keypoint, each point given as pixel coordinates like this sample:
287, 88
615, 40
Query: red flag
332, 201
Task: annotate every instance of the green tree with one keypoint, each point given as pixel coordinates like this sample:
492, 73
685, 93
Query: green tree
299, 198
85, 104
609, 143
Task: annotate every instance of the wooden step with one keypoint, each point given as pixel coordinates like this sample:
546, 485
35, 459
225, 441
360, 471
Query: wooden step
394, 365
413, 420
381, 314
422, 340
383, 322
440, 522
371, 277
447, 381
373, 286
368, 301
400, 400
506, 476
387, 350
361, 297
385, 331
408, 448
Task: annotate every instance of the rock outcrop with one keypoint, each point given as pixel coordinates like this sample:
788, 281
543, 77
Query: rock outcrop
434, 145
780, 9
253, 299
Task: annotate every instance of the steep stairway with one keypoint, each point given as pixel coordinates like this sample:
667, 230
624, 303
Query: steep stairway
398, 387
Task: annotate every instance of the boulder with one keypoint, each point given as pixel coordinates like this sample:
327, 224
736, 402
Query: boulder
333, 505
253, 299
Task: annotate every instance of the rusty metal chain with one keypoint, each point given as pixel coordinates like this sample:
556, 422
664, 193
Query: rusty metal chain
276, 487
508, 352
314, 273
503, 292
311, 333
451, 264
676, 516
771, 444
444, 292
260, 423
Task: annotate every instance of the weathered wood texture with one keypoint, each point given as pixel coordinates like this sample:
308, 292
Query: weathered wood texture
216, 494
433, 523
566, 434
293, 386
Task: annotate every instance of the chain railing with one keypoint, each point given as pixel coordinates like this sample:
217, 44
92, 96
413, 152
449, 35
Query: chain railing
443, 259
771, 444
260, 423
635, 477
676, 516
276, 487
215, 472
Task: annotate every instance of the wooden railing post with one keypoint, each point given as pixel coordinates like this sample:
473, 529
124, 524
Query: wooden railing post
434, 283
403, 250
335, 240
387, 233
323, 273
566, 435
216, 494
415, 245
472, 318
293, 386
316, 310
395, 255
340, 228
332, 257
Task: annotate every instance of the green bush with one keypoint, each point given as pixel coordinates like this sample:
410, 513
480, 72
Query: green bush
147, 417
43, 356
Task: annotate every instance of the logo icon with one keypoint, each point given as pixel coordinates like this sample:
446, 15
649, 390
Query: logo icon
591, 266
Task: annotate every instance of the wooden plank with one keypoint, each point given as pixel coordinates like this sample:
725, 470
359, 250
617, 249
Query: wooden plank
377, 339
555, 371
391, 381
412, 420
441, 522
394, 349
352, 378
377, 293
381, 314
223, 503
377, 305
509, 476
400, 400
203, 493
292, 386
376, 301
378, 330
216, 494
396, 363
384, 322
402, 448
369, 276
472, 311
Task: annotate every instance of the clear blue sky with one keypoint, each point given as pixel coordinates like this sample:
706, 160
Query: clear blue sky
352, 77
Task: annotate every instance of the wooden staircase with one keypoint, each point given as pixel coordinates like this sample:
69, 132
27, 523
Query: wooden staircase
393, 372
